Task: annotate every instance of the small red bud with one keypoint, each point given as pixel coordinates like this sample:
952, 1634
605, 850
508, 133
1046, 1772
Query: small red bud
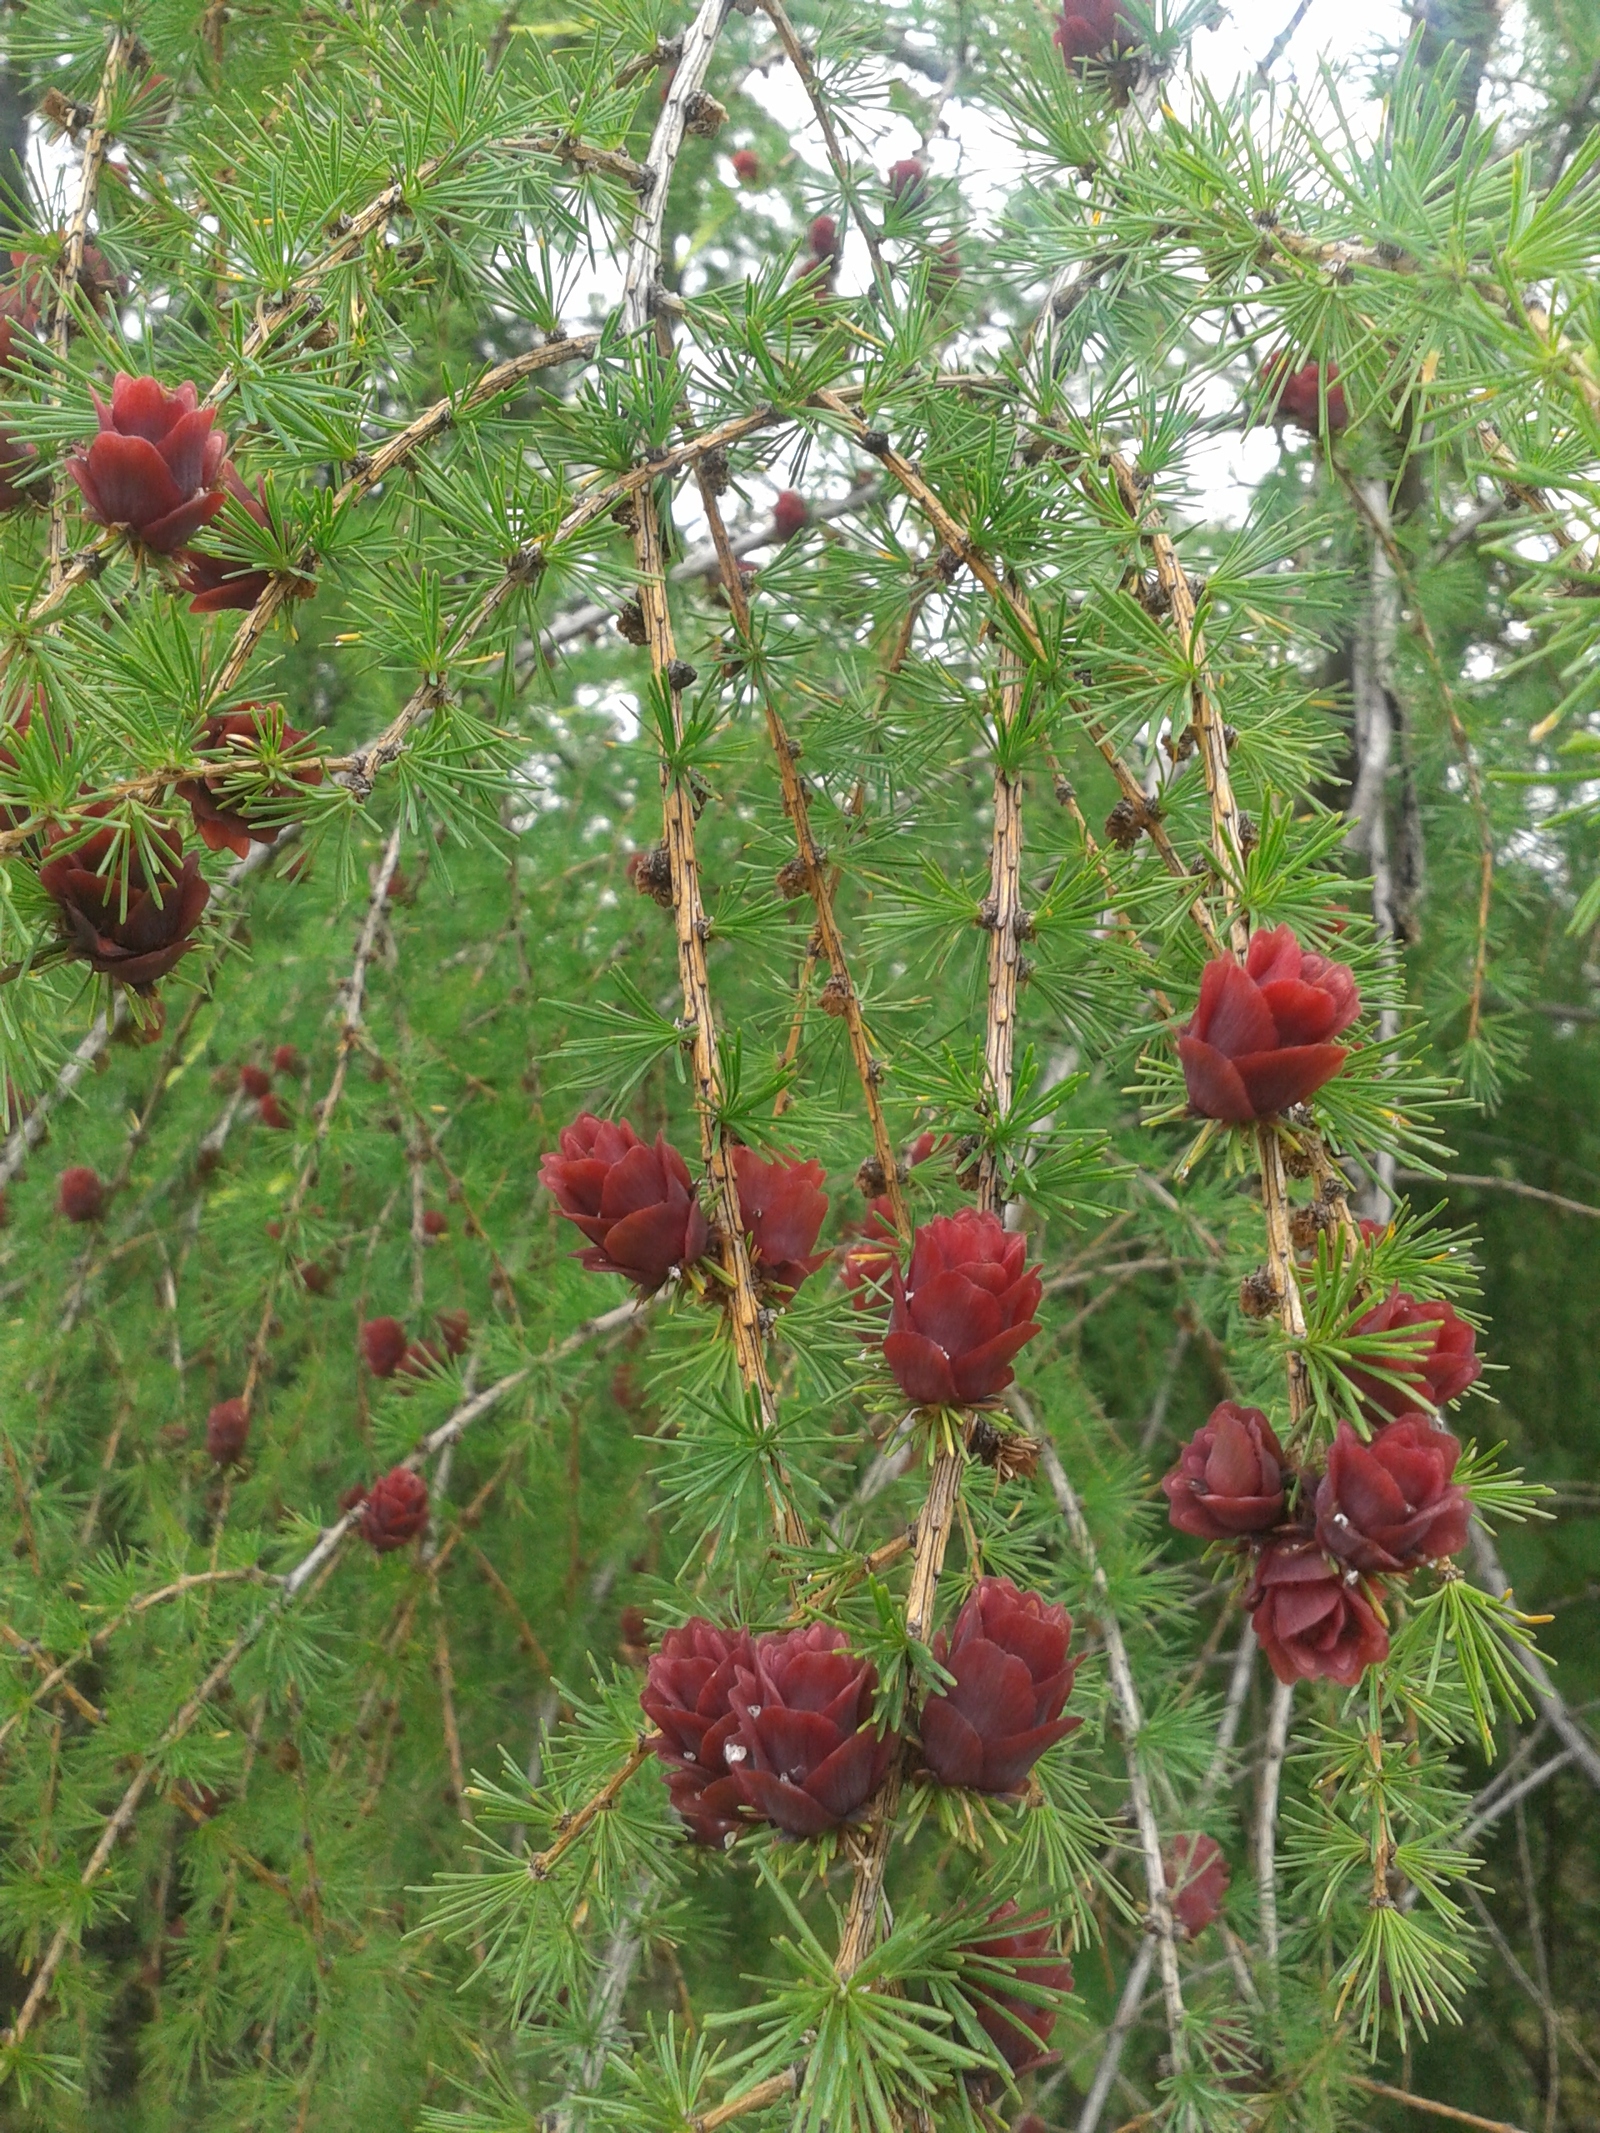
286, 1060
255, 1081
435, 1224
80, 1195
383, 1343
789, 514
746, 166
227, 1427
824, 238
271, 1113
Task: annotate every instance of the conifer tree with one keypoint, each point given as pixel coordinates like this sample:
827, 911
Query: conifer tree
740, 1382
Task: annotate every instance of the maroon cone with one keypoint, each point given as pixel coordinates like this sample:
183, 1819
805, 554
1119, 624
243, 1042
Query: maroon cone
782, 1207
1299, 395
1229, 1477
688, 1685
153, 467
962, 1310
1391, 1504
1197, 1880
384, 1344
217, 582
1436, 1371
225, 818
1259, 1038
111, 918
806, 1758
1313, 1620
1018, 2028
395, 1510
1091, 29
227, 1427
456, 1329
634, 1203
1008, 1653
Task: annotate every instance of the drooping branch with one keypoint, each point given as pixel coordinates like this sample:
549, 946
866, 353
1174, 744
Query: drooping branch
1229, 852
841, 997
673, 676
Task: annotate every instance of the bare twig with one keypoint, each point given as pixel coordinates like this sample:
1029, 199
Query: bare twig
1576, 1737
1280, 43
1427, 2105
1480, 1183
1266, 1834
1130, 1717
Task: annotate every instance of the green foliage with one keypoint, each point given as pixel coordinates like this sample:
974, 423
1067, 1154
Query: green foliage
300, 1833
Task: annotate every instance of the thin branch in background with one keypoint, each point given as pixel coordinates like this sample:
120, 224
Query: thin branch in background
1480, 1183
1517, 1793
1376, 718
1577, 116
352, 1000
800, 61
1430, 2108
1130, 1718
1371, 500
1280, 43
1156, 1420
1524, 1983
1266, 1830
1492, 1577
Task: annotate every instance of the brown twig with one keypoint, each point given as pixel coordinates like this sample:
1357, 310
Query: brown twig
677, 796
1004, 916
800, 60
375, 467
1427, 2104
964, 550
571, 1827
841, 997
757, 2098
